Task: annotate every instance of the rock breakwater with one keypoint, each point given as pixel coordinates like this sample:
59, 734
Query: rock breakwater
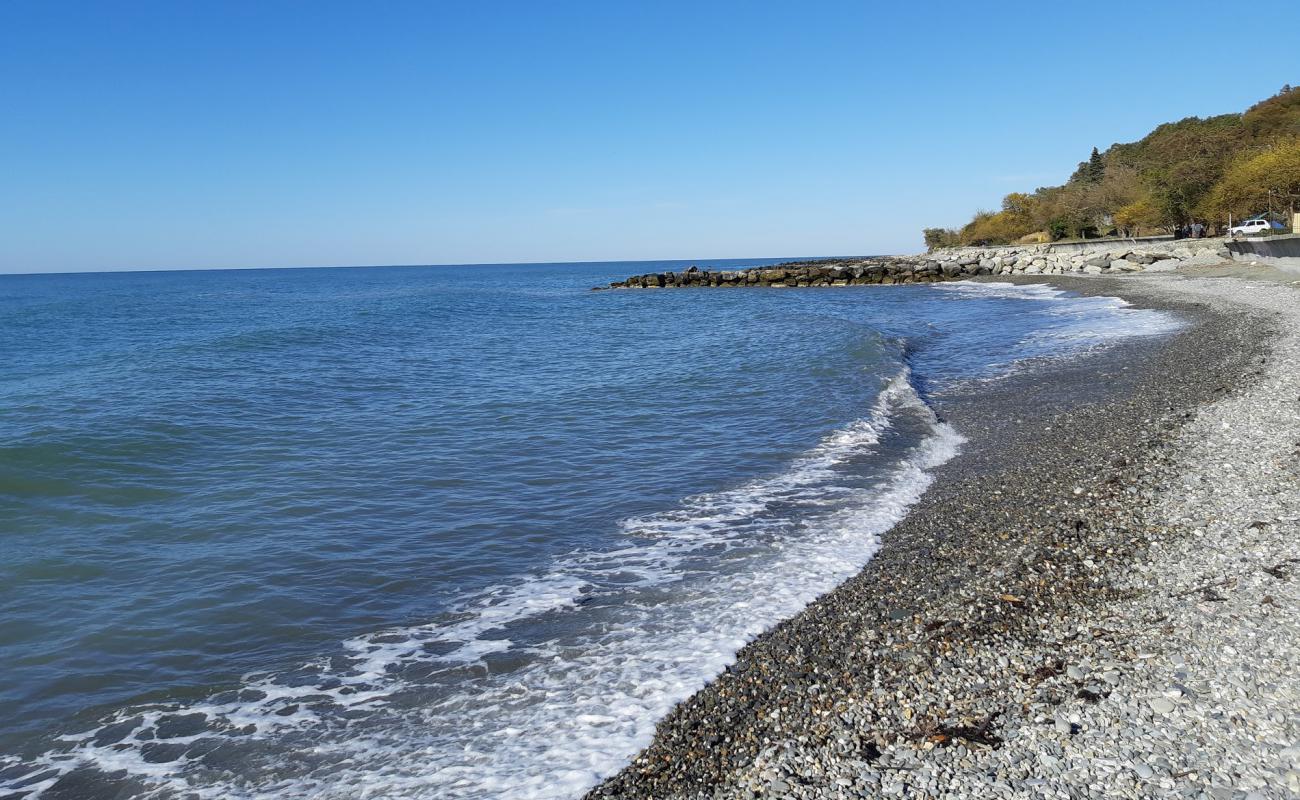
1106, 258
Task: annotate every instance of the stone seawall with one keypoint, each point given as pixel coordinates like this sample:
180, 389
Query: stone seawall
1106, 258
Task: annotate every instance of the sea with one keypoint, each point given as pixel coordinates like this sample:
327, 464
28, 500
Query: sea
447, 531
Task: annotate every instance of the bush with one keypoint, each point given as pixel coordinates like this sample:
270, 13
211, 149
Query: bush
938, 238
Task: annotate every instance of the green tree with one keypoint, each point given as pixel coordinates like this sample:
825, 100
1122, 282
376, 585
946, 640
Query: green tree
1096, 167
1257, 181
938, 238
1276, 117
1141, 214
1165, 178
1090, 171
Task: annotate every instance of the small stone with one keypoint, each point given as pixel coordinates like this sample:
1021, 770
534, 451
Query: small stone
1161, 705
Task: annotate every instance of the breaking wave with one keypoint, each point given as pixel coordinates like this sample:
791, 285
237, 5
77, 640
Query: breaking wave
512, 695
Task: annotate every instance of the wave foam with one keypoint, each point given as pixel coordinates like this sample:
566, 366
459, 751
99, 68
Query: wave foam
509, 697
1083, 320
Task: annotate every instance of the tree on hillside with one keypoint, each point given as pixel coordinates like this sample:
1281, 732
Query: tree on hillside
1182, 161
1258, 181
1096, 167
1142, 214
1090, 171
1018, 218
1278, 116
1076, 211
1164, 179
1119, 187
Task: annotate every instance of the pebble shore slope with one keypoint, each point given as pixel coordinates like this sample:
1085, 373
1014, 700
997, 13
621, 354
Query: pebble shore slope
1103, 606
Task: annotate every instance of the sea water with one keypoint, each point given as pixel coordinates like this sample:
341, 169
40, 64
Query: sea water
442, 532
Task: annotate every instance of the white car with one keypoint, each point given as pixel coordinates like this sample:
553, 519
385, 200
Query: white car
1253, 226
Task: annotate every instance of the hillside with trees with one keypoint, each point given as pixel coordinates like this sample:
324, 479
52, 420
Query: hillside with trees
1206, 170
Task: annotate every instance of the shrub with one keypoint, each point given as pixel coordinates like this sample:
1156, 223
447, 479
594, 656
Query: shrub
938, 238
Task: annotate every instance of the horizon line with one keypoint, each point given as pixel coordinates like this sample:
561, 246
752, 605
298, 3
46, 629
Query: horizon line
129, 271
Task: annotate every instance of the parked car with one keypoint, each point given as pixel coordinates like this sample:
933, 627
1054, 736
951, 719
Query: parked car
1255, 226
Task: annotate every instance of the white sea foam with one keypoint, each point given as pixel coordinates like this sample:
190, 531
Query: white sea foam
426, 712
1075, 325
1082, 321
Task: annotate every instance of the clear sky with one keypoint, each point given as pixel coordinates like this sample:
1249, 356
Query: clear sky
178, 133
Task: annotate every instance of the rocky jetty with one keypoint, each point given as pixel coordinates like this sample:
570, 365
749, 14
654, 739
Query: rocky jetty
837, 272
1103, 258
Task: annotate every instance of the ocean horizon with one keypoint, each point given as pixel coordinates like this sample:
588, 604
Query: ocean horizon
661, 263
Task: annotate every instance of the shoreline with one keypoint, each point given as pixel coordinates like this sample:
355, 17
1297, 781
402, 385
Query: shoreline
965, 658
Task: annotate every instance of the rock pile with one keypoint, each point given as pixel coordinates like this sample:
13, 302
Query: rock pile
830, 272
949, 265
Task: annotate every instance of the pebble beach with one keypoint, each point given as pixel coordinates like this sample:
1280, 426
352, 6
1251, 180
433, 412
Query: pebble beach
1102, 605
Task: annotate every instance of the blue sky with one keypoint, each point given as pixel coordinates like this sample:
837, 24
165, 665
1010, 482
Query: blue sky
181, 134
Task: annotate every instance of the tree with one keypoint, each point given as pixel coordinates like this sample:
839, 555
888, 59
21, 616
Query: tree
1276, 117
1021, 206
1120, 185
1134, 217
1076, 211
937, 238
1256, 181
1017, 218
1090, 171
1096, 167
1179, 162
1166, 178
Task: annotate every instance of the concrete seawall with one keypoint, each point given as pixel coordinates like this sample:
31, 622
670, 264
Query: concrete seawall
1282, 252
